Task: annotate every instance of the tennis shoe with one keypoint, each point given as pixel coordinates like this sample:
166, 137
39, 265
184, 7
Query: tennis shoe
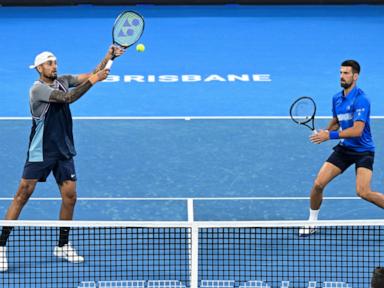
3, 259
68, 253
307, 230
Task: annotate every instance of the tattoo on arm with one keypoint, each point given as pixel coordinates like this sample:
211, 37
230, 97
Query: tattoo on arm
101, 66
58, 96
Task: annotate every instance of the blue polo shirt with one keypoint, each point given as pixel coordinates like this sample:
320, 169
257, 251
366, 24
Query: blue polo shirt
350, 108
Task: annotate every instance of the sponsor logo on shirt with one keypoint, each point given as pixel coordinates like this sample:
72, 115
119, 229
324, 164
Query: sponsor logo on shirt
344, 117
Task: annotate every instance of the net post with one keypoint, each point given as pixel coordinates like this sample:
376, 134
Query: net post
194, 242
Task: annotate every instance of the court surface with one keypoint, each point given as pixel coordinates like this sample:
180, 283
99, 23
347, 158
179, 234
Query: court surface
233, 69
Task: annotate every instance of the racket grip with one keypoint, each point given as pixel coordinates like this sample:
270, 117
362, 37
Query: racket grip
314, 132
109, 64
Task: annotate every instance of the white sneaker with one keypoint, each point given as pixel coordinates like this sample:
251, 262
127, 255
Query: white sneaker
307, 230
68, 253
3, 259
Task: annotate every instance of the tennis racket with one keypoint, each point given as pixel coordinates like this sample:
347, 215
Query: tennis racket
303, 112
126, 31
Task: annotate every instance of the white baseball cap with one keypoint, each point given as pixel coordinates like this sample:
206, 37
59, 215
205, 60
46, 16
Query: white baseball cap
42, 58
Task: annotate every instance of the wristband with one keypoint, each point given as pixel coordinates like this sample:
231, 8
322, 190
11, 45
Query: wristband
334, 135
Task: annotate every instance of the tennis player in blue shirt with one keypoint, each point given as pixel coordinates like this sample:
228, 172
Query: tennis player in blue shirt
350, 124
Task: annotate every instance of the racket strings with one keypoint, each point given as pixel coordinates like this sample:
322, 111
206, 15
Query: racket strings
128, 29
303, 111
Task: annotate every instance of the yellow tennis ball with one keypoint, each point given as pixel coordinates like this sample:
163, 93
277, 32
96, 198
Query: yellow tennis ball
140, 48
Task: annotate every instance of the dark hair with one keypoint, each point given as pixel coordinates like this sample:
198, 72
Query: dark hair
352, 63
377, 278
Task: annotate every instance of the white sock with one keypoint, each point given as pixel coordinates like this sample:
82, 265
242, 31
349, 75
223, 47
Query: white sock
313, 214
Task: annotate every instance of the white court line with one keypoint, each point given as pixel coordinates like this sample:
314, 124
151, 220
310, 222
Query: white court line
182, 198
168, 117
177, 118
181, 118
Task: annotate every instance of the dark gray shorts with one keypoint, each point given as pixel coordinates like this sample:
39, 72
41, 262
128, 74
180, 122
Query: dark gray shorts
63, 169
343, 158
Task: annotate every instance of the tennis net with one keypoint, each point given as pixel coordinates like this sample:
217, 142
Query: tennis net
195, 254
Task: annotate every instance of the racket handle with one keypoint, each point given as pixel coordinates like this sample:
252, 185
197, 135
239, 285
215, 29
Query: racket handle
109, 64
314, 132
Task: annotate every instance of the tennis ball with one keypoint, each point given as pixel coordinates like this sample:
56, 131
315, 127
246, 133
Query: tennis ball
140, 48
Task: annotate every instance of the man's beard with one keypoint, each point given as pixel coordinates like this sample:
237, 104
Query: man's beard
345, 85
52, 77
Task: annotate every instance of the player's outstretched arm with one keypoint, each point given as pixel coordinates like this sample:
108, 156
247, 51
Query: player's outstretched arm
58, 96
112, 50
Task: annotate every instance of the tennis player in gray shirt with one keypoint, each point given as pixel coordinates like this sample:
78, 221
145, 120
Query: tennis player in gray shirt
51, 146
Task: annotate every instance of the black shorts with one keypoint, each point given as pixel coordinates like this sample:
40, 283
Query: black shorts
63, 169
343, 158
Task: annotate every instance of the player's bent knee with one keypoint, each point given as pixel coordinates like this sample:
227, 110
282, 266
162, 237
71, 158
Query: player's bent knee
318, 186
27, 187
363, 192
24, 192
22, 197
70, 198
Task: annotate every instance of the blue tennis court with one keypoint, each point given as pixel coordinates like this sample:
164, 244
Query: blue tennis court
251, 61
202, 114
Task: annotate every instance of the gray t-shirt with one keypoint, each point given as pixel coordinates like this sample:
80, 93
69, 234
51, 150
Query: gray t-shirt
51, 134
40, 92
